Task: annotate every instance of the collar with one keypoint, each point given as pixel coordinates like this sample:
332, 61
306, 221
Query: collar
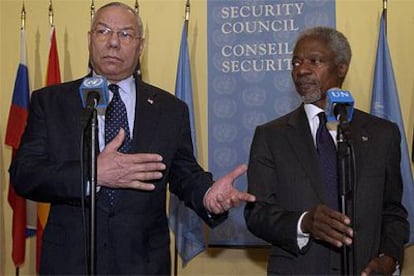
312, 110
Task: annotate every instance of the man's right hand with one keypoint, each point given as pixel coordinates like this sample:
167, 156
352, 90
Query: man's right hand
120, 170
324, 223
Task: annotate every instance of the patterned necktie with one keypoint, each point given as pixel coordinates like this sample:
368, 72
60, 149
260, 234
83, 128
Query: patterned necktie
115, 119
328, 161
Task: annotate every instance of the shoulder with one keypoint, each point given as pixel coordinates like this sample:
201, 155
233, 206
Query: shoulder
158, 94
64, 87
291, 119
367, 120
370, 125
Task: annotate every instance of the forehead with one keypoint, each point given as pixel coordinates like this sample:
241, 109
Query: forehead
115, 16
312, 45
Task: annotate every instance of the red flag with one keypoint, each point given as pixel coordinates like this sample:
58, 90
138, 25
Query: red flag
53, 71
15, 127
52, 77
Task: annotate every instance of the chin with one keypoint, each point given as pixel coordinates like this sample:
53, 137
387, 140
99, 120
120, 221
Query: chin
311, 97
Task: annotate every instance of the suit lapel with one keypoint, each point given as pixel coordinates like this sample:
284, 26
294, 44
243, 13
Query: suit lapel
301, 140
74, 104
361, 143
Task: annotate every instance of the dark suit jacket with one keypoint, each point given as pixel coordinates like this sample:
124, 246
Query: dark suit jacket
133, 236
284, 175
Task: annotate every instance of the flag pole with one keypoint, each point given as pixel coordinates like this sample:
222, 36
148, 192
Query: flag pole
138, 70
136, 7
51, 14
92, 14
52, 77
23, 17
187, 10
384, 10
186, 19
92, 9
22, 27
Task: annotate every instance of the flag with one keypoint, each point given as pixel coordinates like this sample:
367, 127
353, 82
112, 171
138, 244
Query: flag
53, 71
385, 104
184, 222
15, 127
52, 77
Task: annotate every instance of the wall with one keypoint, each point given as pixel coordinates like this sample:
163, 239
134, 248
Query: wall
163, 22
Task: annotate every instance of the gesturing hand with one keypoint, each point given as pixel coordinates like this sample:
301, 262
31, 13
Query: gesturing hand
222, 195
119, 170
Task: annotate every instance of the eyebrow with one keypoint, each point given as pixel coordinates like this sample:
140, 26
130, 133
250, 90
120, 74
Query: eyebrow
107, 26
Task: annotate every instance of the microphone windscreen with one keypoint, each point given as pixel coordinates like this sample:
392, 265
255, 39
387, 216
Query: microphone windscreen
97, 84
335, 97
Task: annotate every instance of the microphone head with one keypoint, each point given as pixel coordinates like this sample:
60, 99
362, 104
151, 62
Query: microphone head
336, 97
96, 84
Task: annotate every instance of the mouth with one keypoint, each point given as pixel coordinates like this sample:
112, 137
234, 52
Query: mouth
307, 86
111, 59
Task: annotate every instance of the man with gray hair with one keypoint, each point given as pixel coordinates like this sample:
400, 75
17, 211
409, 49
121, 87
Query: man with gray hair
145, 148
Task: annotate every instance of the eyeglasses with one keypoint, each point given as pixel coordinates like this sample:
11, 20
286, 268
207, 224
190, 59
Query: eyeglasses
125, 36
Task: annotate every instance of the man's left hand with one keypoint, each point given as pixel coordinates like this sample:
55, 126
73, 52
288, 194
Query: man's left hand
384, 265
222, 195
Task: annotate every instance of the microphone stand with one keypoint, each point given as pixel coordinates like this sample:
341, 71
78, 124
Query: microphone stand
90, 150
346, 175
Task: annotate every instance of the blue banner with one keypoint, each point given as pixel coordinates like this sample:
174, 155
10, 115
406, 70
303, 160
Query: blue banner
385, 103
184, 222
250, 43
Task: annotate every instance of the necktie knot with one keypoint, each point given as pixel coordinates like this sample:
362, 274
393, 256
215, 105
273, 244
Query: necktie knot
322, 135
114, 88
322, 117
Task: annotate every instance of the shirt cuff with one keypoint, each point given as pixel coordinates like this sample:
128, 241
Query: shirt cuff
302, 238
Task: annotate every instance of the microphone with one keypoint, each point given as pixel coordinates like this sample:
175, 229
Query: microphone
94, 93
339, 105
97, 87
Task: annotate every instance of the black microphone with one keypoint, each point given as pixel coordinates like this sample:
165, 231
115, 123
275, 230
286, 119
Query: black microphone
94, 94
92, 99
339, 105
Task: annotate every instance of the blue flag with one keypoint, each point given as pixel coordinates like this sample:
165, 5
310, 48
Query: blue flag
385, 104
184, 222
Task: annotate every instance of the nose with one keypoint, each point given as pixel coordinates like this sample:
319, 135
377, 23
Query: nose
114, 40
302, 69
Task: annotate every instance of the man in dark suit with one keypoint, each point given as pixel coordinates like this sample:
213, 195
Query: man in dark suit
153, 148
291, 210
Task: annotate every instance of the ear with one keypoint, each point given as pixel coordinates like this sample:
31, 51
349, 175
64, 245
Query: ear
141, 46
342, 69
89, 37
